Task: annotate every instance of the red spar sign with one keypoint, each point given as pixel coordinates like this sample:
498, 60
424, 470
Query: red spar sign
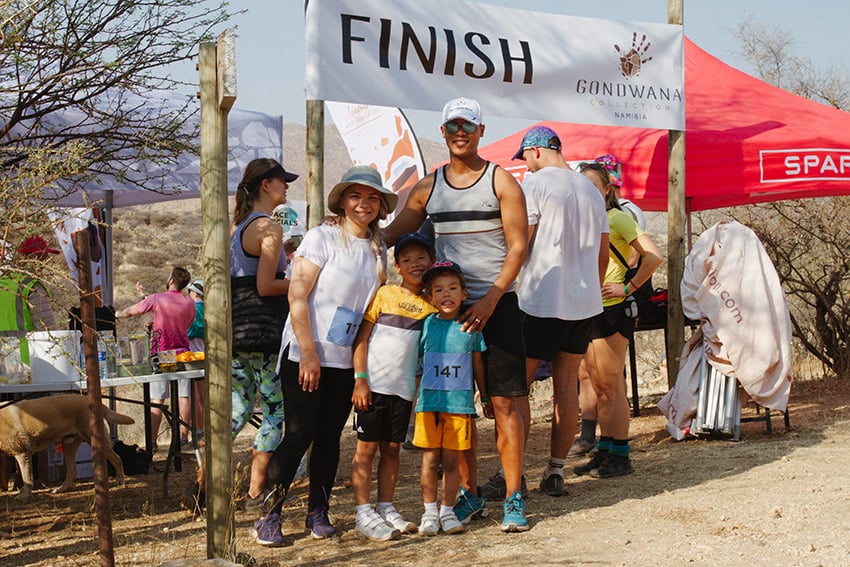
810, 164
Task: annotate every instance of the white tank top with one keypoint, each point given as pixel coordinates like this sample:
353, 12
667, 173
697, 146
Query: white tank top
468, 229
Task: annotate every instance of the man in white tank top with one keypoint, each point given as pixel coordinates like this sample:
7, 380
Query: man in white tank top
480, 223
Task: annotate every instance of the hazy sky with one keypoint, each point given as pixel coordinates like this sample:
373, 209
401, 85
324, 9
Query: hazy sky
270, 43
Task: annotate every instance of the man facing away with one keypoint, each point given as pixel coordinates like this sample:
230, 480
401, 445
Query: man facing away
479, 217
561, 282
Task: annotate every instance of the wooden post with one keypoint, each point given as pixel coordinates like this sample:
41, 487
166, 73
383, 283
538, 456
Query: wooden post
216, 262
315, 162
99, 440
676, 249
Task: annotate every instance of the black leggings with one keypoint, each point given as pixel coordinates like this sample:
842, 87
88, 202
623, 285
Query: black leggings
311, 417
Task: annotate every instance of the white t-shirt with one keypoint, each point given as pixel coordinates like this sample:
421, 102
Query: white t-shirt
560, 277
347, 281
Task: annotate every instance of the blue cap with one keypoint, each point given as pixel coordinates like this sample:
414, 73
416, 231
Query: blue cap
539, 137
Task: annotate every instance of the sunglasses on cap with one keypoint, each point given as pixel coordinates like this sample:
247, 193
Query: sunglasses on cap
595, 166
453, 127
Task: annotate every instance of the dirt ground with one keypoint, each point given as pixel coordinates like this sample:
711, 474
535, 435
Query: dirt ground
771, 499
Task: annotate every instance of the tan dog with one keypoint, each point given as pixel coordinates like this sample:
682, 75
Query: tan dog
29, 426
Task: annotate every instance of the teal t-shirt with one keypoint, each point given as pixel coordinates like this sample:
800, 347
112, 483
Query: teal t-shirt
447, 383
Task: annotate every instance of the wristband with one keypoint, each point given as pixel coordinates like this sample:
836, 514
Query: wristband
626, 289
485, 400
361, 375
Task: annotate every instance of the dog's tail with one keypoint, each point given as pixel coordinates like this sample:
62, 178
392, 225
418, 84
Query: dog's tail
116, 418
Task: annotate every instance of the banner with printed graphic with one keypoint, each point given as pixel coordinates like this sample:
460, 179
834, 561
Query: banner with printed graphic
516, 63
382, 137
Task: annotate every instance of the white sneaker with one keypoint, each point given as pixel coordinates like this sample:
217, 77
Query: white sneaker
430, 524
395, 520
373, 527
450, 524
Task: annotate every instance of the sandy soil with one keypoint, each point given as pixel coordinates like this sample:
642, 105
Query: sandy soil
771, 499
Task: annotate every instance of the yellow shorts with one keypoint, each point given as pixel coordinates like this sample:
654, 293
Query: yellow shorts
435, 430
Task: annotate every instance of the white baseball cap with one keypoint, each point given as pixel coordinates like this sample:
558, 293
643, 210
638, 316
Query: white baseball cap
464, 108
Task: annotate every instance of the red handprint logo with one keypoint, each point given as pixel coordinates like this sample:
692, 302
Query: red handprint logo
631, 62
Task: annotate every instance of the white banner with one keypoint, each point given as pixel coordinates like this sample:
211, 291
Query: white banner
381, 136
516, 63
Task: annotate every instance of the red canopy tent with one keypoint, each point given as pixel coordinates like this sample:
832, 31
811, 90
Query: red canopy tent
745, 142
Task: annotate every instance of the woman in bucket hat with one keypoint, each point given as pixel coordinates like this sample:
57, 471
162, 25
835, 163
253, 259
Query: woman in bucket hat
337, 269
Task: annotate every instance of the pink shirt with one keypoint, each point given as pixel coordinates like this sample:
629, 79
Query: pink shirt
173, 314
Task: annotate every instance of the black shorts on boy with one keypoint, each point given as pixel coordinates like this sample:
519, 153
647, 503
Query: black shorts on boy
385, 420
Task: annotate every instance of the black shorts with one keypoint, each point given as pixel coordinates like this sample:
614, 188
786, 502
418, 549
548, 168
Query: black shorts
504, 359
547, 336
385, 420
612, 320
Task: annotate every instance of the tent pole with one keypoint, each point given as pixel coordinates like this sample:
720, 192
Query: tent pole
676, 226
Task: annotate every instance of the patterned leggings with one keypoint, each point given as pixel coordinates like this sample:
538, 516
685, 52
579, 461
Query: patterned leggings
253, 372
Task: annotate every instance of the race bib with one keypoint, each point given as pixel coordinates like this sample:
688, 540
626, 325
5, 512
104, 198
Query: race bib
344, 326
447, 371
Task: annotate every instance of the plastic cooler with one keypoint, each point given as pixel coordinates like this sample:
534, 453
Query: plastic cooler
54, 356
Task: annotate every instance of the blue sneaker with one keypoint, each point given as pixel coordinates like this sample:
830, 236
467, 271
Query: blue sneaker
514, 519
267, 530
319, 524
468, 507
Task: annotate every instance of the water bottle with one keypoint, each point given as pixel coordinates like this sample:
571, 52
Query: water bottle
101, 359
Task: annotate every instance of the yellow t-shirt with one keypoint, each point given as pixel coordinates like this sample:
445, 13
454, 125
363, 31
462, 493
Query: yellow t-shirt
624, 230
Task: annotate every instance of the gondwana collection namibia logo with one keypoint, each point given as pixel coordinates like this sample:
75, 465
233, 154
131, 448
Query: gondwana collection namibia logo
631, 61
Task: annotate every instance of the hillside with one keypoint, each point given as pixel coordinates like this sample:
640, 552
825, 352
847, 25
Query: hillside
149, 239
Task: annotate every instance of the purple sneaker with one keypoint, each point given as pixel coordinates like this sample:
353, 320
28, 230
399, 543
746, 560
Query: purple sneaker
267, 530
319, 524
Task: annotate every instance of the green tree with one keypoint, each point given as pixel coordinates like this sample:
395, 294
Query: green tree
78, 85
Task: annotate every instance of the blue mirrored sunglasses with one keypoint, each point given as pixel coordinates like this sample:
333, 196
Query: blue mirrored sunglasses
453, 127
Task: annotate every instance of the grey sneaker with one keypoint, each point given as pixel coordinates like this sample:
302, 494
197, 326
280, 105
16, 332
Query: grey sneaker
495, 488
552, 485
254, 505
581, 447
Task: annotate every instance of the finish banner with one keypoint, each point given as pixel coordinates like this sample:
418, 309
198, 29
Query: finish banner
516, 63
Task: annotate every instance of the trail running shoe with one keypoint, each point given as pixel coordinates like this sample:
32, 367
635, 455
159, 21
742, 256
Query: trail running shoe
374, 528
514, 518
614, 465
267, 530
395, 520
595, 461
319, 524
495, 488
581, 447
552, 485
468, 507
